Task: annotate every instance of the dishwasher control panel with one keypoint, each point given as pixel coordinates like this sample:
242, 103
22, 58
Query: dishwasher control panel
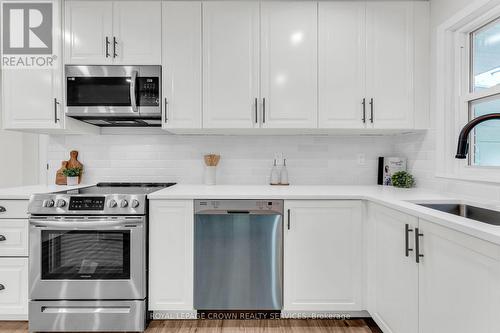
238, 206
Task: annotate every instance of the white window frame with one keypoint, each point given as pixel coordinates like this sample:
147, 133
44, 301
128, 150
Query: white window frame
453, 90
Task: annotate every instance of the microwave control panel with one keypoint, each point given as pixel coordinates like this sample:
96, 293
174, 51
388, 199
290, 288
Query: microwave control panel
149, 91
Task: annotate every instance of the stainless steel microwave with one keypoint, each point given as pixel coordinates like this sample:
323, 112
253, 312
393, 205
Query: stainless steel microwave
114, 95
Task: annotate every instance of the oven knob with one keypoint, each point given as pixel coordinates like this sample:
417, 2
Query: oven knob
112, 203
48, 203
123, 203
135, 203
60, 203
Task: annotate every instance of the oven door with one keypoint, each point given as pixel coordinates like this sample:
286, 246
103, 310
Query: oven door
87, 258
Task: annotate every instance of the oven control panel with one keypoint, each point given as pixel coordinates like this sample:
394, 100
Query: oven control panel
86, 203
70, 204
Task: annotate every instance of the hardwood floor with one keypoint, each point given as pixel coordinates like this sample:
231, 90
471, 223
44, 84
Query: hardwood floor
240, 326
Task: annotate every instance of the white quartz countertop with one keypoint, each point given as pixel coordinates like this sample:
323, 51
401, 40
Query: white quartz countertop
25, 192
399, 199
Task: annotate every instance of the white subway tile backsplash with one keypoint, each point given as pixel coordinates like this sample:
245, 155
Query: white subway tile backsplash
245, 159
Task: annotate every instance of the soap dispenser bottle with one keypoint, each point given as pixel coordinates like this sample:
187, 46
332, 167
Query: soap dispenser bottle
275, 175
284, 174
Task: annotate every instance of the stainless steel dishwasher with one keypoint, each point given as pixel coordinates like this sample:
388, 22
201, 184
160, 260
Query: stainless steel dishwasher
238, 263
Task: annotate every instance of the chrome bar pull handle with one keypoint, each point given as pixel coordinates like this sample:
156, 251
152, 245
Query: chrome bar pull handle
114, 47
56, 103
364, 110
371, 110
288, 222
407, 240
107, 47
264, 110
256, 110
418, 255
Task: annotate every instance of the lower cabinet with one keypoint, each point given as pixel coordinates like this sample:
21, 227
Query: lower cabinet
171, 232
459, 282
323, 266
455, 286
13, 288
392, 294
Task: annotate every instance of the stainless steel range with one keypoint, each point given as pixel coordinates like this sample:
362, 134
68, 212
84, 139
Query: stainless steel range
88, 258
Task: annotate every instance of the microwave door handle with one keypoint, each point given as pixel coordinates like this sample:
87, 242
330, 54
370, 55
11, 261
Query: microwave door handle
133, 87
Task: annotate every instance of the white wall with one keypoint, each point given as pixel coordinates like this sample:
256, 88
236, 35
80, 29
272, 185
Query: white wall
19, 159
421, 149
245, 159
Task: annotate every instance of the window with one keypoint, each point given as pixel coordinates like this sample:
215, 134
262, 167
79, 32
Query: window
483, 96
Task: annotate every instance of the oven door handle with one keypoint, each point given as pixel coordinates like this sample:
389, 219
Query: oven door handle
133, 87
100, 225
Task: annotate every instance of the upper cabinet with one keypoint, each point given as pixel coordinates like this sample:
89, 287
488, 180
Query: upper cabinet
88, 32
32, 99
230, 64
120, 32
390, 67
181, 33
366, 63
289, 64
342, 57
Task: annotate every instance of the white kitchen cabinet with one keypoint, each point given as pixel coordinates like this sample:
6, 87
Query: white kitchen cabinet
392, 276
230, 64
119, 32
137, 28
459, 282
13, 288
88, 30
342, 62
171, 232
182, 60
32, 99
390, 63
13, 237
289, 64
323, 262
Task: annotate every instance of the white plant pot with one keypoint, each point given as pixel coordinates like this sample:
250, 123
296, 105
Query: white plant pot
72, 181
210, 175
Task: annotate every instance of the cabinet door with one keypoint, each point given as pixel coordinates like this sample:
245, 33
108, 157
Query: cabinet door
323, 256
87, 25
342, 46
392, 276
459, 282
390, 54
230, 64
289, 64
14, 235
137, 30
31, 99
171, 232
14, 280
182, 64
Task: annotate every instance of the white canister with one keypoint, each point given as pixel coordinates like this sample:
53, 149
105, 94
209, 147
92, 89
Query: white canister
210, 175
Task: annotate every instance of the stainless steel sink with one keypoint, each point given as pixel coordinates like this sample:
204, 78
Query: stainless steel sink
471, 212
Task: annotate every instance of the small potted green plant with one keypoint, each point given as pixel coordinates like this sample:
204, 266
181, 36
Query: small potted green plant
403, 179
72, 176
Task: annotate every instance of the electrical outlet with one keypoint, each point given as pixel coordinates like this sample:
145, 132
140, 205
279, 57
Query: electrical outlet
361, 159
